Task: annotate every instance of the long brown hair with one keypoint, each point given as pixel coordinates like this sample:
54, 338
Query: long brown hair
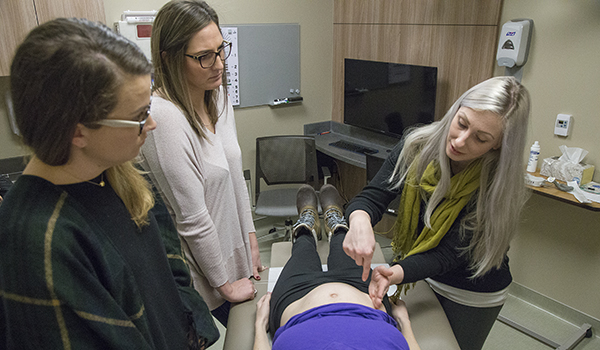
70, 71
175, 24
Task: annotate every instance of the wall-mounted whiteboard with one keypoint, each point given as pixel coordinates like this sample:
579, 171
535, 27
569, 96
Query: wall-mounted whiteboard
268, 62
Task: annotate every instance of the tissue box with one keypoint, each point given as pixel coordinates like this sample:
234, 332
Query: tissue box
567, 171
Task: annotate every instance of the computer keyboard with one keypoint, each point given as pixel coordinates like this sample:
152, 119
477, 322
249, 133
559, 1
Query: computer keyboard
353, 147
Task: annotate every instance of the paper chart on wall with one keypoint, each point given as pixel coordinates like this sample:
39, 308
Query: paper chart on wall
232, 65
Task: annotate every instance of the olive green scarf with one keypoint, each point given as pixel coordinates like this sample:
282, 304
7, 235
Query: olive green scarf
406, 241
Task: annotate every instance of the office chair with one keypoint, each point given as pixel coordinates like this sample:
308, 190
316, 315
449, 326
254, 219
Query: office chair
283, 160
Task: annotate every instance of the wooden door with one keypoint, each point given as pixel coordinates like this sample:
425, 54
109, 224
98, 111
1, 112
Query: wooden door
17, 18
50, 9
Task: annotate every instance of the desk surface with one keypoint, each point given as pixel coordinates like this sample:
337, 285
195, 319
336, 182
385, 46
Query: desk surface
330, 131
557, 194
357, 159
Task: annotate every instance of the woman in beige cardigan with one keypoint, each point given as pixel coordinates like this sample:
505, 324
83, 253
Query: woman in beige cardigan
194, 158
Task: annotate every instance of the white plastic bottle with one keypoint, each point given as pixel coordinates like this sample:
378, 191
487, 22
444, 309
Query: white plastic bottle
534, 154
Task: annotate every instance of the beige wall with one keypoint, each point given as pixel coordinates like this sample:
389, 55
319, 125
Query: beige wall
557, 252
9, 143
316, 32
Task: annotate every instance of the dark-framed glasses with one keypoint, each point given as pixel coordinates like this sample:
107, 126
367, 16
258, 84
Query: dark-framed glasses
118, 123
208, 60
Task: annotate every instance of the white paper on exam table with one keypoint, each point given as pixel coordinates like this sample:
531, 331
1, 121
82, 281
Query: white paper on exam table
274, 273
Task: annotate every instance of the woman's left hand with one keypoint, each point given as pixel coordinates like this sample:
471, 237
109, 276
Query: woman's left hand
262, 312
380, 283
261, 325
257, 266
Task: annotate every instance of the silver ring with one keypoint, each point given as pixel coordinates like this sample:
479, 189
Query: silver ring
255, 291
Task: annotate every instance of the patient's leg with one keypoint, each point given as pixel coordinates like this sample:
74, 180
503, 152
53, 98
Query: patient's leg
336, 228
301, 274
304, 259
338, 259
333, 214
304, 250
302, 271
341, 268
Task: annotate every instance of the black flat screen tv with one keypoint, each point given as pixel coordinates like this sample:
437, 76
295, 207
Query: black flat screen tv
388, 97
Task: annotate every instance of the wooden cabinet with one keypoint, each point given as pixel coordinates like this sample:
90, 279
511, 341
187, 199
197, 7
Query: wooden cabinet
18, 17
459, 37
50, 9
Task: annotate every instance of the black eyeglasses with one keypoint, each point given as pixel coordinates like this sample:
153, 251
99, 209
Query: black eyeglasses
118, 123
208, 60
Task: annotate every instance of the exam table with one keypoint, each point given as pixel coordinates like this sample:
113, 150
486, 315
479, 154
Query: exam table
429, 323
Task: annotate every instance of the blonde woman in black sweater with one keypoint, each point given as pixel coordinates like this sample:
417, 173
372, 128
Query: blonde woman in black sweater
461, 185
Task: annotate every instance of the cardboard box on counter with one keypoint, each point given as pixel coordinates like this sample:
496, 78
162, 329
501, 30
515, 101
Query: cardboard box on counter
567, 171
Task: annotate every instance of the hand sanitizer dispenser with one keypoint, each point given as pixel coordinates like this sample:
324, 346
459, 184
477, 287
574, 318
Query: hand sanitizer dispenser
513, 47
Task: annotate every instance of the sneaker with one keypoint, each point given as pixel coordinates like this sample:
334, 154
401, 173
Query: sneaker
332, 204
306, 202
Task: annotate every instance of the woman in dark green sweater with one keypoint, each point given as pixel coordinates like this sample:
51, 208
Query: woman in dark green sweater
83, 264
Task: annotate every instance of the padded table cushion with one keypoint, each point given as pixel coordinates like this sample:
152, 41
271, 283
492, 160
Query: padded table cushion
428, 319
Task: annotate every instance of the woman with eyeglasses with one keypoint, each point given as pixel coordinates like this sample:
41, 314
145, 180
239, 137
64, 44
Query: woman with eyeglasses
194, 159
83, 264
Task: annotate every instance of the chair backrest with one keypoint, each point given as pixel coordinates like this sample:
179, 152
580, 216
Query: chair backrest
286, 159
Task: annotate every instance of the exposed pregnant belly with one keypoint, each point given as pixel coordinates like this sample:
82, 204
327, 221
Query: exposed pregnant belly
327, 293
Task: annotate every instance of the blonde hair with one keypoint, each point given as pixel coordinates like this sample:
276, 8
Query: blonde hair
502, 192
175, 24
133, 189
